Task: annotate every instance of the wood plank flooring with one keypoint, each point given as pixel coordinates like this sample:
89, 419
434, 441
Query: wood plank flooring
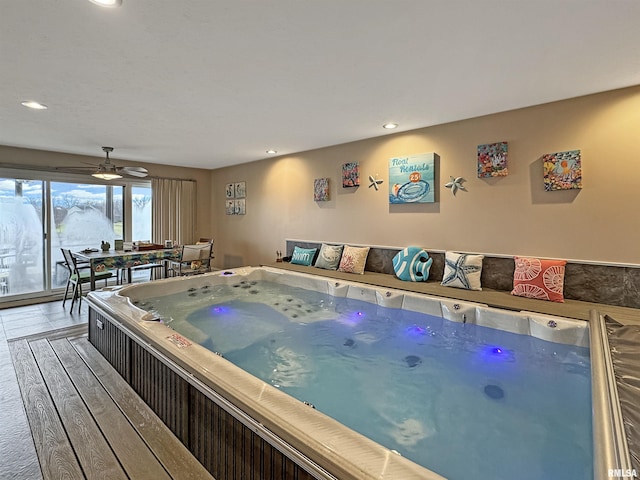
86, 421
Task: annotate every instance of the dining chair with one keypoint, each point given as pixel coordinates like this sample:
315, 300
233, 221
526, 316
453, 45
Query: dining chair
193, 259
155, 270
207, 240
79, 274
6, 263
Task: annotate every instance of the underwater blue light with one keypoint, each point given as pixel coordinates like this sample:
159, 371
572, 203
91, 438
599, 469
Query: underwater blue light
352, 318
496, 353
220, 310
416, 330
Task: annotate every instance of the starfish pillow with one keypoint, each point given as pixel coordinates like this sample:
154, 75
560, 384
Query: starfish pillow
412, 264
462, 270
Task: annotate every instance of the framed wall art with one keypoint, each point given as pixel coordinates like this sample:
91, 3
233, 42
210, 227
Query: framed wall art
412, 179
350, 174
492, 160
239, 206
321, 190
240, 189
562, 170
229, 207
235, 194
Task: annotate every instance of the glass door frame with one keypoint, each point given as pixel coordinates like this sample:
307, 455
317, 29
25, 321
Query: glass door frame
50, 293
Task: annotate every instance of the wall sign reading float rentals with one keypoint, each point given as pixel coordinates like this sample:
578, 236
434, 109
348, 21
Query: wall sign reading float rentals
412, 178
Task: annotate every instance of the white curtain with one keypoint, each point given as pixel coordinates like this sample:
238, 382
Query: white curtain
173, 210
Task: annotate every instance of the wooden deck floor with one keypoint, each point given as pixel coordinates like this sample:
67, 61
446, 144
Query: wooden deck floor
86, 421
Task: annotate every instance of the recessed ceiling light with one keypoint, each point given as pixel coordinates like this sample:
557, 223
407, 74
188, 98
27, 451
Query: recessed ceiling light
34, 105
107, 3
390, 125
272, 152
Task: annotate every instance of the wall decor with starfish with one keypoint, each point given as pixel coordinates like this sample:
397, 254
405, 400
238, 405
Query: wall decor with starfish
455, 184
374, 182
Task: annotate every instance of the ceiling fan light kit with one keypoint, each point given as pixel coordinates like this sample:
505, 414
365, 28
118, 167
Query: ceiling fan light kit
106, 175
106, 171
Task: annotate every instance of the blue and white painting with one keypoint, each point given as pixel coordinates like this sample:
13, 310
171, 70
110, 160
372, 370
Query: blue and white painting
412, 179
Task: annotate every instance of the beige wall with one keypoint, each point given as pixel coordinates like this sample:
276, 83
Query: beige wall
27, 157
509, 215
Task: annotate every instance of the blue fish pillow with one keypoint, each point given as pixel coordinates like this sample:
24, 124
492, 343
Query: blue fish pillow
412, 264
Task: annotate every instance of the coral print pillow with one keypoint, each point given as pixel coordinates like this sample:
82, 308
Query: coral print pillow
353, 259
541, 279
329, 256
462, 270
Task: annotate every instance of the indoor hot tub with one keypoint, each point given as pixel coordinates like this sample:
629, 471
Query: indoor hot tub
263, 374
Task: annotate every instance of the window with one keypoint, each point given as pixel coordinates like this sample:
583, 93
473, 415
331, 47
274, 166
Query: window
84, 215
141, 212
40, 215
21, 236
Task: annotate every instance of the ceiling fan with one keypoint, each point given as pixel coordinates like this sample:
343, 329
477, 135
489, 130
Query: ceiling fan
108, 171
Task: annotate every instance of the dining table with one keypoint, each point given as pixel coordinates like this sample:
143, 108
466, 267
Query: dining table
101, 261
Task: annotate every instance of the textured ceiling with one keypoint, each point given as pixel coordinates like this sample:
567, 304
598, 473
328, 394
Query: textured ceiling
210, 83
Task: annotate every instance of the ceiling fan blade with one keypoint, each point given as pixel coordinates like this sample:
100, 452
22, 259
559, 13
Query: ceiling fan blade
88, 169
134, 171
105, 167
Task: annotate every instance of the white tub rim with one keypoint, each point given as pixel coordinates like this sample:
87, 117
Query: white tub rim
116, 303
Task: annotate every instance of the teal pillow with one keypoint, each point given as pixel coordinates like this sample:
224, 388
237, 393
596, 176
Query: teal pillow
303, 256
329, 257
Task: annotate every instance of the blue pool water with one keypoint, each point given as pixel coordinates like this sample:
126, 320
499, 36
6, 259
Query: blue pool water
462, 400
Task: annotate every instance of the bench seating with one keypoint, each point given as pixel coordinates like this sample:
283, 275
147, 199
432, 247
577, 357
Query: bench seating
497, 273
577, 309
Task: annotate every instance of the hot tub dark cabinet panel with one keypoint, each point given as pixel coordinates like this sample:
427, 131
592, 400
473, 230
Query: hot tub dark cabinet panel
111, 342
165, 392
235, 452
226, 447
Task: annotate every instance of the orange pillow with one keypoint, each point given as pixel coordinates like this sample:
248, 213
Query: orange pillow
541, 279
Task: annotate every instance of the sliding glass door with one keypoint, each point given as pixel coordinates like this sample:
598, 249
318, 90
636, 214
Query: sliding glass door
41, 215
22, 252
84, 216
